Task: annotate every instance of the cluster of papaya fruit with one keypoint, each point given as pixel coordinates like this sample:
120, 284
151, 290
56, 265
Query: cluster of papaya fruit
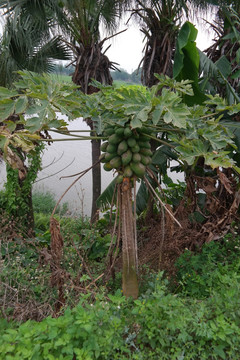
127, 150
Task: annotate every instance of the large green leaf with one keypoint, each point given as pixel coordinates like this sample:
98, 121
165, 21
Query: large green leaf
170, 109
186, 61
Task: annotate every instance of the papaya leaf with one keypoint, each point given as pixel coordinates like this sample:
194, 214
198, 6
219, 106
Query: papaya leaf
7, 107
220, 159
157, 113
21, 104
176, 115
3, 141
11, 125
215, 139
33, 124
5, 93
190, 151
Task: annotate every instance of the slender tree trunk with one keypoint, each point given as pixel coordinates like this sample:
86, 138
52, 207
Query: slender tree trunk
129, 251
96, 179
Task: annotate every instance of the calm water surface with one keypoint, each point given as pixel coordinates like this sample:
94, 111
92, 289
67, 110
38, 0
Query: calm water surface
63, 159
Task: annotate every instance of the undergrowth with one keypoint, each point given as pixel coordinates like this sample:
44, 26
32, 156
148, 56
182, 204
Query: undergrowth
191, 317
159, 325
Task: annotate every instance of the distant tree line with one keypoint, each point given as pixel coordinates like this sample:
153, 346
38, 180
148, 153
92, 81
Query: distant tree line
117, 75
123, 75
61, 69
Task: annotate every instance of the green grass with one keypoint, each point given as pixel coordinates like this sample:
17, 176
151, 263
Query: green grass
68, 78
61, 78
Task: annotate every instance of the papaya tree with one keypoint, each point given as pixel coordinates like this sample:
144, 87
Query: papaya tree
126, 120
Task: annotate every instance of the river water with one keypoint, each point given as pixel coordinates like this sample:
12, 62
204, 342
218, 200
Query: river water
63, 159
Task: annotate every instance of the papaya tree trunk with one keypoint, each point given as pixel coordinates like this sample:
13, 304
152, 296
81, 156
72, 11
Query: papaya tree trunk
129, 251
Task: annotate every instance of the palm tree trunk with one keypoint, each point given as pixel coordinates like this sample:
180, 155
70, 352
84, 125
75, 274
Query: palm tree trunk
129, 251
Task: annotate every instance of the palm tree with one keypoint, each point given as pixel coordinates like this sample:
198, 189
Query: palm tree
160, 24
25, 44
28, 43
82, 24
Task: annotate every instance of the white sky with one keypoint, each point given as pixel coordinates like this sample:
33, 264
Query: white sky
126, 48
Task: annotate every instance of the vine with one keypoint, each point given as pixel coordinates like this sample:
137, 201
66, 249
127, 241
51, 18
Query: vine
18, 192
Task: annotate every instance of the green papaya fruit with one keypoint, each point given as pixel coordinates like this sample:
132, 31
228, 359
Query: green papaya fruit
104, 146
135, 134
126, 157
122, 147
119, 130
136, 157
138, 169
108, 131
119, 179
146, 130
145, 160
144, 144
107, 167
114, 139
127, 132
146, 152
111, 148
102, 158
116, 162
131, 142
127, 171
110, 156
143, 138
135, 149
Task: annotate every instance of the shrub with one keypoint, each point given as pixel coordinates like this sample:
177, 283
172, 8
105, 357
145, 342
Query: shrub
45, 202
159, 325
199, 272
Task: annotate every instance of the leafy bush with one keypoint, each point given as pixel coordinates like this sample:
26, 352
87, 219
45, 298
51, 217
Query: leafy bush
199, 272
159, 325
88, 331
45, 202
92, 241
